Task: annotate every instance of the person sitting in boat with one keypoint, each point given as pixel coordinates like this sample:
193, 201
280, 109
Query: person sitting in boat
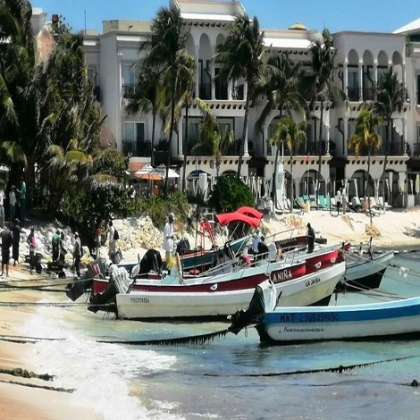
256, 238
311, 238
262, 249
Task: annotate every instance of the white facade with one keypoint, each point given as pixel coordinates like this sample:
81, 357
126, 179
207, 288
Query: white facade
361, 58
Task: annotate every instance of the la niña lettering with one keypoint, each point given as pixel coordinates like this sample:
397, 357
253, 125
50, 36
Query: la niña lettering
281, 276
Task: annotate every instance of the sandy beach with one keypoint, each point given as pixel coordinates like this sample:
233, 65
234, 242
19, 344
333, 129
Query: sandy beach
23, 398
27, 398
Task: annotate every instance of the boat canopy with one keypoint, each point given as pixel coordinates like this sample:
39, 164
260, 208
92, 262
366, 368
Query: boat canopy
250, 211
226, 218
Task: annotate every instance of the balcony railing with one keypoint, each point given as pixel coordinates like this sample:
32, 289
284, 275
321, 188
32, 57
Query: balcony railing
137, 148
416, 150
128, 91
221, 90
394, 149
353, 94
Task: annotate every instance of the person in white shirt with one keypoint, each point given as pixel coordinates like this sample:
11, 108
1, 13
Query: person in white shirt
12, 203
344, 199
1, 206
338, 200
111, 240
168, 237
256, 240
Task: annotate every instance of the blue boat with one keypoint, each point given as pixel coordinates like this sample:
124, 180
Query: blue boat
397, 319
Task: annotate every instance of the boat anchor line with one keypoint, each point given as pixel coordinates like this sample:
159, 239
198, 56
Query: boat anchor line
337, 369
200, 339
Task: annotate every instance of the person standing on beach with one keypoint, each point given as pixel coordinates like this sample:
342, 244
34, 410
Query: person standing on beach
63, 250
344, 199
22, 202
168, 237
12, 202
16, 230
111, 240
2, 217
77, 253
32, 245
55, 245
311, 238
6, 243
338, 200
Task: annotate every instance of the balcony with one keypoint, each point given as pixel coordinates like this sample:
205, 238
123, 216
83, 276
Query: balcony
312, 148
137, 148
205, 91
368, 94
353, 94
238, 93
394, 149
128, 91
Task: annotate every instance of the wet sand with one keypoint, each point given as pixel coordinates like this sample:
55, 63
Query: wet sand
27, 398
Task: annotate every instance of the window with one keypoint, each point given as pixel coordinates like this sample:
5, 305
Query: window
418, 89
133, 142
129, 79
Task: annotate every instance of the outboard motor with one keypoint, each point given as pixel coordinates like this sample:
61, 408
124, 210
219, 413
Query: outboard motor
265, 295
75, 290
151, 261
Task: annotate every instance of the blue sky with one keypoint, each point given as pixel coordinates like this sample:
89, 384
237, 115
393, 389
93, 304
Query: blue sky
336, 15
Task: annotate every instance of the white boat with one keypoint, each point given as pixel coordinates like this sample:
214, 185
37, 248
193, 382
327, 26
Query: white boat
397, 319
366, 271
305, 290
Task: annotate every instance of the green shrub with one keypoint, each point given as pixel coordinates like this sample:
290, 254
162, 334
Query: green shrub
229, 194
157, 208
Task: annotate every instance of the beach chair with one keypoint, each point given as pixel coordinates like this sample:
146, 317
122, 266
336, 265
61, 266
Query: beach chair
322, 203
379, 204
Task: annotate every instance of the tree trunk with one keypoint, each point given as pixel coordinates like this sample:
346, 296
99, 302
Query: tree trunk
171, 130
184, 150
387, 137
152, 153
244, 134
291, 184
367, 188
318, 176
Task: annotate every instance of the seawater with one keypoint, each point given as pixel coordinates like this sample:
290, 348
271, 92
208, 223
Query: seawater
229, 377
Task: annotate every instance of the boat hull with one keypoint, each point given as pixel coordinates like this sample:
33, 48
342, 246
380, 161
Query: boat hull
367, 273
385, 320
306, 290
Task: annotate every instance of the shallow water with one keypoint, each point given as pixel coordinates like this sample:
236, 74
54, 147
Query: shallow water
225, 379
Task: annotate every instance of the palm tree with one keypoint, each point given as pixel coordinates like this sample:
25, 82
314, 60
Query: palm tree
319, 83
240, 56
215, 138
66, 167
168, 52
288, 133
366, 138
147, 97
390, 98
280, 84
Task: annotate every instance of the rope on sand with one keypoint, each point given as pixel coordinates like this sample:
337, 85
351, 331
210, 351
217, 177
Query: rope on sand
28, 385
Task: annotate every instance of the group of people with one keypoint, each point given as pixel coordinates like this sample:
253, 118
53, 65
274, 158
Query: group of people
16, 203
59, 250
10, 238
